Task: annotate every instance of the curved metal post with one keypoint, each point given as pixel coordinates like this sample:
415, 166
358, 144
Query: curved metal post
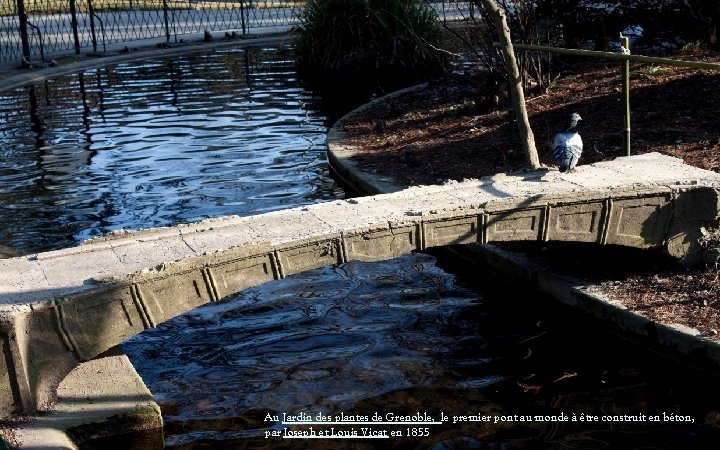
22, 17
74, 24
167, 24
91, 14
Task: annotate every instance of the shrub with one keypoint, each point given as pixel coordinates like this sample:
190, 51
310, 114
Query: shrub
357, 39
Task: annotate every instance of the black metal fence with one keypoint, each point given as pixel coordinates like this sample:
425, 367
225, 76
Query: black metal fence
35, 29
31, 29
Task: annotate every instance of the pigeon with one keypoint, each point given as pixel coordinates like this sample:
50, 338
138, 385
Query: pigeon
568, 145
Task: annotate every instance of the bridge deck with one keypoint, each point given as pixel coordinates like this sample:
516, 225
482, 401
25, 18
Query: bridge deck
43, 277
60, 308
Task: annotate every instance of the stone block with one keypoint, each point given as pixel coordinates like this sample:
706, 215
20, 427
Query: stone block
350, 214
308, 254
449, 229
235, 274
14, 391
420, 202
97, 320
380, 244
46, 354
218, 235
145, 253
23, 281
519, 225
288, 226
579, 222
165, 296
102, 398
640, 222
101, 263
683, 242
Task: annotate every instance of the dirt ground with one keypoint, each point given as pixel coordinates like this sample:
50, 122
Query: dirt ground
445, 132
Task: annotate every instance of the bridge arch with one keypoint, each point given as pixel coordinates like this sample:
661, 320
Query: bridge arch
61, 308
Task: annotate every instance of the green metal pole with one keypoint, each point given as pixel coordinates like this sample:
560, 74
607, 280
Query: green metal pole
615, 56
625, 57
626, 93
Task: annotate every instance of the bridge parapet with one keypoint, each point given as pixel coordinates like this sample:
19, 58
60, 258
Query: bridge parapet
60, 308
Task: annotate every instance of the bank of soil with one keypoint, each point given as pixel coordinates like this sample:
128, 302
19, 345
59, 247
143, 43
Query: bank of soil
447, 131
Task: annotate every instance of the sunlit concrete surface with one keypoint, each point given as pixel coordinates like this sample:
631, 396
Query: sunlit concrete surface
60, 308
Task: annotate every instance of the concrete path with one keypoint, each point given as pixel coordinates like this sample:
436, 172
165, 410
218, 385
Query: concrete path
35, 279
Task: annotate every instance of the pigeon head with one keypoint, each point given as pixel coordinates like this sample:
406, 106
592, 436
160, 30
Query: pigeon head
573, 121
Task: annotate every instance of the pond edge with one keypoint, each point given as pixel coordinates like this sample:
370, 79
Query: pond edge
678, 341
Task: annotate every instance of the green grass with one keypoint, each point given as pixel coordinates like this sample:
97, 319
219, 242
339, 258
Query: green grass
692, 47
650, 71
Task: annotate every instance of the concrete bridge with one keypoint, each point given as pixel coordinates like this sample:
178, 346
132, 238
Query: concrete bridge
60, 308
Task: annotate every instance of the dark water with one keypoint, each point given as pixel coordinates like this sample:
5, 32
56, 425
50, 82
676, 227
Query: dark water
158, 143
407, 337
174, 140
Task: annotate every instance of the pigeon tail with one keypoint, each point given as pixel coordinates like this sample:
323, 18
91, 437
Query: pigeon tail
565, 158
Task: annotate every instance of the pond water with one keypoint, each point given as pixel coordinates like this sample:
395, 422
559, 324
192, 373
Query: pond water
232, 132
405, 337
158, 143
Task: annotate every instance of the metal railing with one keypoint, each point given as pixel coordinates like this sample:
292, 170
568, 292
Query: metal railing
625, 58
34, 29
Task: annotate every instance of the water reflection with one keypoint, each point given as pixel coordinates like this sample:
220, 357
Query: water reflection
157, 143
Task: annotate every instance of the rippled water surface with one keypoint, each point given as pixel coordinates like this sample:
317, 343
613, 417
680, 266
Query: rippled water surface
231, 132
404, 337
157, 143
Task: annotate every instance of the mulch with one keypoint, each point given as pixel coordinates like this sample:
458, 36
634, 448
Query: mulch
445, 132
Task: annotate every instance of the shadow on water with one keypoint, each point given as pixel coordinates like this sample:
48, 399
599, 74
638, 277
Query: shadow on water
407, 337
139, 439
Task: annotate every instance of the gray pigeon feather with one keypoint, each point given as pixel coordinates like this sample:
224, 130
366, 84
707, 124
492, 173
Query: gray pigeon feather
568, 145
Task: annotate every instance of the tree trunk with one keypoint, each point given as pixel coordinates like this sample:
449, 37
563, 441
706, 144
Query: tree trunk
710, 12
715, 28
514, 82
